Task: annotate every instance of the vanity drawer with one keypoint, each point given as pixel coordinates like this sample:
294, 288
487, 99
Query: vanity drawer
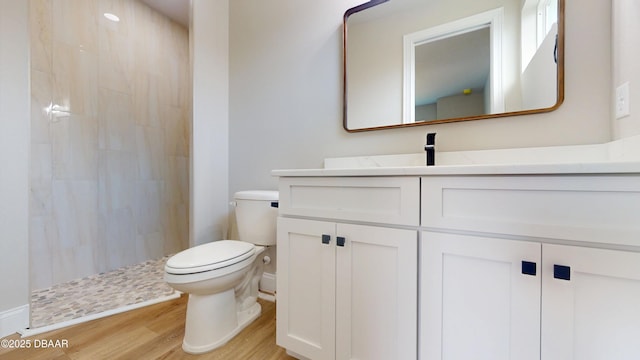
383, 200
595, 208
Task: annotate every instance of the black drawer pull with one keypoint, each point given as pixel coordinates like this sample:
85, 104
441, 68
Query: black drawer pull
562, 272
529, 268
326, 239
340, 241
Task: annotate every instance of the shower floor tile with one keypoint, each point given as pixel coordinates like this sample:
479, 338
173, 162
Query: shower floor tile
99, 293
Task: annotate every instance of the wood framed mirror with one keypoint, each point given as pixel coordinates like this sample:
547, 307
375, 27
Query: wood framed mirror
421, 62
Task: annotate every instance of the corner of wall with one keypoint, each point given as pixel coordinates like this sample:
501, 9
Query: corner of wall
14, 157
209, 39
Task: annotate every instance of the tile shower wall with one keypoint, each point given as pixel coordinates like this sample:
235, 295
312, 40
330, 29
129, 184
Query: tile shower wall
109, 137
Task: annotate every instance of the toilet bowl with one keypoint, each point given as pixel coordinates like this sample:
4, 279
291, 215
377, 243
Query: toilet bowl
222, 277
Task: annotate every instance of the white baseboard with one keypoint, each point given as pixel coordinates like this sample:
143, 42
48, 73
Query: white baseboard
268, 283
267, 296
14, 320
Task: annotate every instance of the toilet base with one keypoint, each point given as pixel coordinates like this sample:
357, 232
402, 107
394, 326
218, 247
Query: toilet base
208, 328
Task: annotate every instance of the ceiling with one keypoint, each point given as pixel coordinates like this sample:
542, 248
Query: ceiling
177, 10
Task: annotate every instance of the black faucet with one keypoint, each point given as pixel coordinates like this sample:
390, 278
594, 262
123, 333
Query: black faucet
430, 148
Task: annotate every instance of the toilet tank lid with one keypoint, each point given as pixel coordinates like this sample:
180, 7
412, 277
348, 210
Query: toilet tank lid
268, 195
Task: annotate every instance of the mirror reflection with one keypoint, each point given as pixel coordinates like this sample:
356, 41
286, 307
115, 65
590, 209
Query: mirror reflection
416, 62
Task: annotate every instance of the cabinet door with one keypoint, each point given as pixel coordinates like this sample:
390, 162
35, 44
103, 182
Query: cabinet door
478, 299
590, 304
306, 288
376, 296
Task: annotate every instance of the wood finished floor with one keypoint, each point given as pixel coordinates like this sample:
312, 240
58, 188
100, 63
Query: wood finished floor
152, 332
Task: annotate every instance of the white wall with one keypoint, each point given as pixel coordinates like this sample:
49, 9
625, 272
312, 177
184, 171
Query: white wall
285, 93
626, 57
538, 88
209, 43
14, 165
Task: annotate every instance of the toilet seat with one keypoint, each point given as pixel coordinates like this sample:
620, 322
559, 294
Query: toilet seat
210, 256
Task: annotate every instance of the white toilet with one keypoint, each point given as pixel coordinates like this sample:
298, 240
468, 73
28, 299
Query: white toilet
222, 277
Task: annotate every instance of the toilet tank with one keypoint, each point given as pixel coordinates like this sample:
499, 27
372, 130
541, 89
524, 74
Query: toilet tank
256, 213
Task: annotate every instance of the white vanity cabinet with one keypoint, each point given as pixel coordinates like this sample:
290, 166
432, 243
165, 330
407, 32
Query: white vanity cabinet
306, 312
595, 314
459, 266
348, 268
481, 295
476, 301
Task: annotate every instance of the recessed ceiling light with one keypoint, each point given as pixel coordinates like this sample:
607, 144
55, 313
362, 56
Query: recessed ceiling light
111, 17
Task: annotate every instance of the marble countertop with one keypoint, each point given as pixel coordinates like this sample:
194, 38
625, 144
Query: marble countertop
616, 157
472, 169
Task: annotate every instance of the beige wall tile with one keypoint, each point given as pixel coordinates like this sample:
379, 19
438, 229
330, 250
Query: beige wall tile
41, 97
117, 126
75, 85
41, 23
75, 23
75, 148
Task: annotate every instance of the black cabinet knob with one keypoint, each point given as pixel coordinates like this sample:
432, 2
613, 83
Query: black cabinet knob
562, 272
326, 238
529, 268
